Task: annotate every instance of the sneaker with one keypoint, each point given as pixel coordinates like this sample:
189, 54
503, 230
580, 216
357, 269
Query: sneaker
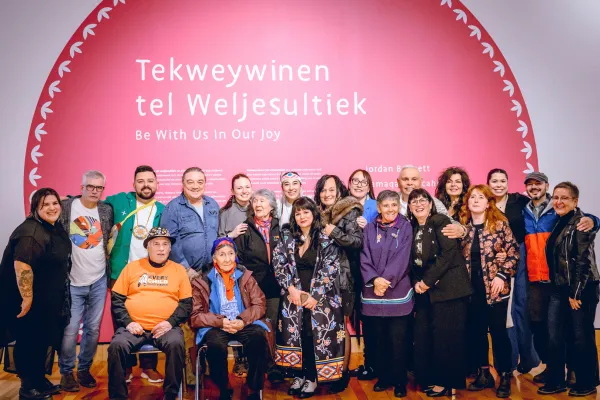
296, 387
68, 383
552, 389
308, 389
240, 368
152, 375
128, 375
86, 379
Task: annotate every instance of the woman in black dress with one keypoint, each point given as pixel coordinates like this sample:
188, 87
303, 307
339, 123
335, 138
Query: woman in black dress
34, 292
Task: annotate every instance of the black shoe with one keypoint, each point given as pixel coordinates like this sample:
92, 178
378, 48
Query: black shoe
426, 389
381, 386
571, 378
341, 385
400, 391
483, 380
354, 373
86, 379
551, 389
581, 392
367, 374
541, 377
503, 390
33, 394
68, 383
443, 393
48, 387
522, 370
308, 389
275, 375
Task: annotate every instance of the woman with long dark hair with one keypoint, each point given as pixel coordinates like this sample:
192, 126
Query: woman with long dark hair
339, 215
442, 287
488, 235
232, 216
452, 186
34, 292
311, 328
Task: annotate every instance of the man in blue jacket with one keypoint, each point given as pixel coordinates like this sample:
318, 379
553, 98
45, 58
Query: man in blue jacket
193, 219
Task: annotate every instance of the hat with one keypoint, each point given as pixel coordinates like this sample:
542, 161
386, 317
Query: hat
538, 176
221, 242
157, 232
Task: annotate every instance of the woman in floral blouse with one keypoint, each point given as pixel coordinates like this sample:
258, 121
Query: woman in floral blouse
491, 254
310, 333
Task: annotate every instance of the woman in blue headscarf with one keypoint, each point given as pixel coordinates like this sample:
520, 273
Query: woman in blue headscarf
229, 305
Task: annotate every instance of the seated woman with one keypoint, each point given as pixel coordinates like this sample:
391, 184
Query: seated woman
229, 305
488, 236
387, 295
572, 309
443, 288
311, 325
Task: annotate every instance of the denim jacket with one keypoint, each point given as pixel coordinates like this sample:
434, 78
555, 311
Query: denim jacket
194, 237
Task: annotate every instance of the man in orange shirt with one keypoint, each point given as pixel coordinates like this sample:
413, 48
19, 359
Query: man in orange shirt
150, 299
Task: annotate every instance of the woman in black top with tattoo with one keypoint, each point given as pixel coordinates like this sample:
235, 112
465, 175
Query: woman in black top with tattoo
34, 292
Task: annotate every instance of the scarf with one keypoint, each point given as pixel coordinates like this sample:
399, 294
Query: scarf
227, 280
264, 227
385, 225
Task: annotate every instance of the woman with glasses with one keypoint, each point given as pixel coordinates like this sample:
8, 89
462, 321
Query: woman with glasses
339, 216
442, 288
491, 254
452, 186
572, 309
291, 186
387, 295
360, 185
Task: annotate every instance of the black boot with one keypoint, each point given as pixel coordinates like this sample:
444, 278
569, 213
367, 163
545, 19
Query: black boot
341, 385
503, 390
483, 380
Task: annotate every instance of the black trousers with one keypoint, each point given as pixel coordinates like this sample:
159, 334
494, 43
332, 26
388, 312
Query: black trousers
575, 327
256, 349
389, 347
124, 343
31, 349
147, 361
440, 342
482, 317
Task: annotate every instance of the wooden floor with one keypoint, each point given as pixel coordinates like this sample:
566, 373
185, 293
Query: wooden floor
523, 388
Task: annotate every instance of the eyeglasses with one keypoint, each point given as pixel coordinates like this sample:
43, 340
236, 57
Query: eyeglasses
359, 183
91, 188
563, 199
420, 202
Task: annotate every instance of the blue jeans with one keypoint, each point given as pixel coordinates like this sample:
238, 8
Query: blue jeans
521, 338
87, 302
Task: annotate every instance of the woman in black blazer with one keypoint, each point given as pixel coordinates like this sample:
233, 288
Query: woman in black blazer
442, 287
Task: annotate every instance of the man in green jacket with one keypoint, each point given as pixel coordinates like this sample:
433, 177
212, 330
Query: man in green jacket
137, 212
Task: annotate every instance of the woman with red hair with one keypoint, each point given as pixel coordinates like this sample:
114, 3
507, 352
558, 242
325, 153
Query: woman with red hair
488, 236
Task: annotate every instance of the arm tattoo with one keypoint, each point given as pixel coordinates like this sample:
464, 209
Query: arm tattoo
25, 283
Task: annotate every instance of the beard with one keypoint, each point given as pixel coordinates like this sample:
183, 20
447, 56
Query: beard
539, 195
141, 194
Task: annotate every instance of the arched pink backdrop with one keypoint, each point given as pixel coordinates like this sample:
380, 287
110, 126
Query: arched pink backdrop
424, 82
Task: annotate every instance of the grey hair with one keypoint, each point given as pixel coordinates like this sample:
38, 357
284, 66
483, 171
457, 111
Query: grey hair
408, 166
91, 174
388, 195
269, 195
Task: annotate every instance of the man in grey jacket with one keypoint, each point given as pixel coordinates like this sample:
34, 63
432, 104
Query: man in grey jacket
88, 223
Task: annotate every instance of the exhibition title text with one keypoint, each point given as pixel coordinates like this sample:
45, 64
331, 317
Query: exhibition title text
239, 103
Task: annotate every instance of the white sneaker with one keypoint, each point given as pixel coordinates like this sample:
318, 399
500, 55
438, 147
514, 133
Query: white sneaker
152, 376
308, 389
129, 378
296, 387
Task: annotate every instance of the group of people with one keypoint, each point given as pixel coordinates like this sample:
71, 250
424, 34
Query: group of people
421, 278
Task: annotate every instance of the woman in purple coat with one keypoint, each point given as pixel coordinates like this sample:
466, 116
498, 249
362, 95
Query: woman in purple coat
387, 294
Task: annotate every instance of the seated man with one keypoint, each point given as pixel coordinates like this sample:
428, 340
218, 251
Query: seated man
150, 299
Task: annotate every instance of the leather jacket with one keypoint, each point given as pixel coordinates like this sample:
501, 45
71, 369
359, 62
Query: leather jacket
572, 260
